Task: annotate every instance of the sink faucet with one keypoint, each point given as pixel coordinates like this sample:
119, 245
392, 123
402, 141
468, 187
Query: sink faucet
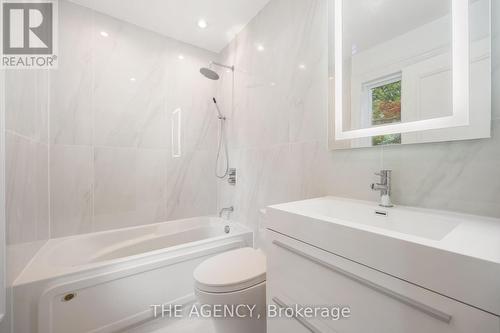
384, 187
226, 209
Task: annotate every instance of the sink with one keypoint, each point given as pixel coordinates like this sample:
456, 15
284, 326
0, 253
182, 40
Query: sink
455, 255
397, 219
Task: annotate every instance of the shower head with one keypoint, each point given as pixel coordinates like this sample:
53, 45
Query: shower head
209, 73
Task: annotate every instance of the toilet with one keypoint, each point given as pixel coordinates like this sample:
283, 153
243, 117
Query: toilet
234, 280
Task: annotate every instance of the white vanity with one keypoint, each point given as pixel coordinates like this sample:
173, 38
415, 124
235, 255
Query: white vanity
399, 270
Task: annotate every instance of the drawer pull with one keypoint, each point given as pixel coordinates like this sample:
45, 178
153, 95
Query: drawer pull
301, 320
438, 314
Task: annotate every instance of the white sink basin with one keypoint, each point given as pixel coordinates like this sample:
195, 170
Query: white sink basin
455, 255
403, 220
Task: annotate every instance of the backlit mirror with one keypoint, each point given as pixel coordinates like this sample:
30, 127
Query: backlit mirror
409, 71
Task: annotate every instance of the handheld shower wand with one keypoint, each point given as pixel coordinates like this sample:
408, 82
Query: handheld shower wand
221, 116
222, 142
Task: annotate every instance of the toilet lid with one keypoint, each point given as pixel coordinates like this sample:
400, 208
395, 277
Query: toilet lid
231, 271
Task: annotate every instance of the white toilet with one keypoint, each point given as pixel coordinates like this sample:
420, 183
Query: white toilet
230, 279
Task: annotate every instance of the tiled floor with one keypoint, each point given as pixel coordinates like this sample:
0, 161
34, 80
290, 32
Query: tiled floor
167, 325
186, 325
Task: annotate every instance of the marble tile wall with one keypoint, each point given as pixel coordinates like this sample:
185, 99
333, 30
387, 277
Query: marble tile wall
112, 100
27, 169
278, 128
88, 145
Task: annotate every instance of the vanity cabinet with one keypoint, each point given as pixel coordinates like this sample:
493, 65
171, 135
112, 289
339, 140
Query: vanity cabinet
302, 274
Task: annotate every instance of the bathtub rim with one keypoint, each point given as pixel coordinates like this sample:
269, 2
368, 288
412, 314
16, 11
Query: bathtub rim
37, 263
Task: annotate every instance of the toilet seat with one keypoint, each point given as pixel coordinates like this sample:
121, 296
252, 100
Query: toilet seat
231, 271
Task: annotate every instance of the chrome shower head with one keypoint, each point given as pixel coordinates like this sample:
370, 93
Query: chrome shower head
209, 73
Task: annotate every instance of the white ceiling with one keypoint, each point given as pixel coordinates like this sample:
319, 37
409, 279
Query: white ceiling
178, 18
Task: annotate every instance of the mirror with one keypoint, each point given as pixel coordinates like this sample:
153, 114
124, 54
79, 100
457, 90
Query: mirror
409, 71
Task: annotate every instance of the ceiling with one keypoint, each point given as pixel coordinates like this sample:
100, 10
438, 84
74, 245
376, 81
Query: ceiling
178, 18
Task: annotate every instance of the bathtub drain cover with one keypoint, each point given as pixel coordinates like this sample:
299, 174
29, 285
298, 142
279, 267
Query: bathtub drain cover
68, 297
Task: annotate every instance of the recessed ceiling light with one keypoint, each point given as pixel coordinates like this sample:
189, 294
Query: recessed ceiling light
302, 66
181, 57
104, 34
132, 79
260, 47
202, 24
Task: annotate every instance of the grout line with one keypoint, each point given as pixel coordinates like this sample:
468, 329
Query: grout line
39, 111
49, 187
27, 138
135, 148
92, 106
113, 147
6, 306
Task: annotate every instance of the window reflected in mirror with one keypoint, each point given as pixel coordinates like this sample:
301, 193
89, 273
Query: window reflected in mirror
385, 108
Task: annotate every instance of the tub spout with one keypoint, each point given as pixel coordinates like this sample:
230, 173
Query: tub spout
229, 210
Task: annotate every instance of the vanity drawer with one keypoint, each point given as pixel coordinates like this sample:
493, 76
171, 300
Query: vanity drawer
293, 324
288, 325
379, 303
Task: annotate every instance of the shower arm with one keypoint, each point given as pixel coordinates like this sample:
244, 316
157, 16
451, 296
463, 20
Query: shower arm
222, 65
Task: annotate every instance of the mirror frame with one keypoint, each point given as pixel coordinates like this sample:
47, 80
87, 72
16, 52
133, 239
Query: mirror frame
460, 73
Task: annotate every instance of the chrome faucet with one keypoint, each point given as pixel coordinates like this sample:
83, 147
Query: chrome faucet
384, 187
226, 209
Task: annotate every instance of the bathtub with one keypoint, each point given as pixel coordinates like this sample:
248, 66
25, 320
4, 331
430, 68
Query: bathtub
107, 281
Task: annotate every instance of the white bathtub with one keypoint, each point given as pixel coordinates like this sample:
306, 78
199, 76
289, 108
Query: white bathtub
117, 275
